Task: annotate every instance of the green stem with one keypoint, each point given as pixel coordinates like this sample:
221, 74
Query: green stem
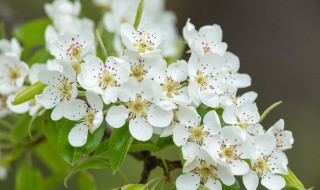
104, 50
292, 180
265, 113
138, 15
164, 163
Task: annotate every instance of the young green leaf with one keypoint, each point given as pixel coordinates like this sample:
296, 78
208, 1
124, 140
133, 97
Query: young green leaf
164, 142
93, 140
29, 93
235, 186
29, 178
102, 148
40, 56
265, 113
119, 145
69, 153
138, 14
292, 182
95, 162
86, 181
141, 146
136, 187
32, 33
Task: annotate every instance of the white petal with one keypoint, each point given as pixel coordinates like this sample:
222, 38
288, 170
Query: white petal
140, 129
242, 80
94, 100
188, 115
158, 117
273, 182
49, 97
117, 116
110, 95
178, 71
251, 180
213, 184
265, 144
20, 108
98, 119
74, 110
239, 167
35, 70
129, 90
78, 135
180, 134
188, 181
166, 105
229, 115
50, 77
57, 112
212, 122
233, 135
225, 175
193, 93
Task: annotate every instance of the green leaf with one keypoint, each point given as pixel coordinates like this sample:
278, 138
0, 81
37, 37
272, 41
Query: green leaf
29, 93
136, 187
265, 113
86, 181
138, 14
32, 33
40, 56
235, 186
69, 153
142, 146
292, 182
51, 132
165, 142
93, 140
29, 178
19, 132
120, 142
102, 148
95, 162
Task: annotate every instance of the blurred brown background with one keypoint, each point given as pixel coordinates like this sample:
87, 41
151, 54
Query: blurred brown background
278, 42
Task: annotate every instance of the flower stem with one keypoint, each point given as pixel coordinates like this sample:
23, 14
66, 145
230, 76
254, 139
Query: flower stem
104, 50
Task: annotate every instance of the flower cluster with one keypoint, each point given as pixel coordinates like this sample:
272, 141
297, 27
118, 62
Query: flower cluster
195, 101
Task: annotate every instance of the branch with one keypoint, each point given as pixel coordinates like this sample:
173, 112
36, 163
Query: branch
151, 162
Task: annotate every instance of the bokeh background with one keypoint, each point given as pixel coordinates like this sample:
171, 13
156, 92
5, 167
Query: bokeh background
278, 43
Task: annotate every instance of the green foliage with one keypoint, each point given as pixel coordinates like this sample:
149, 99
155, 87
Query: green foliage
103, 148
32, 33
29, 93
29, 178
136, 187
119, 145
40, 56
86, 181
165, 142
292, 182
138, 14
141, 146
69, 153
235, 186
93, 140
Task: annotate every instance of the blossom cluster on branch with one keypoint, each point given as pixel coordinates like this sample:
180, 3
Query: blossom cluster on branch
194, 100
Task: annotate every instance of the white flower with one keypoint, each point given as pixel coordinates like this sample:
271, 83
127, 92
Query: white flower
230, 148
206, 41
104, 78
138, 106
62, 7
10, 47
146, 40
203, 170
191, 134
90, 117
244, 116
206, 83
236, 101
146, 68
174, 85
73, 47
267, 167
284, 139
12, 74
62, 87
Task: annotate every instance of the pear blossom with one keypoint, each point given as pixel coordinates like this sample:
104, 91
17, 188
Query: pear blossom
73, 48
139, 108
191, 134
230, 148
89, 116
104, 78
11, 47
62, 87
204, 170
206, 83
284, 139
205, 41
146, 40
12, 74
62, 7
244, 116
236, 101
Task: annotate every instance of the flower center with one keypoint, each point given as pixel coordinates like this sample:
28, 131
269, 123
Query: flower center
138, 72
261, 166
89, 117
65, 89
14, 74
74, 50
144, 44
228, 153
206, 48
76, 67
32, 102
107, 79
137, 107
206, 171
197, 134
171, 87
201, 80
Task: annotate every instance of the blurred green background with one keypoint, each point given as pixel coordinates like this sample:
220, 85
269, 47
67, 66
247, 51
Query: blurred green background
278, 43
